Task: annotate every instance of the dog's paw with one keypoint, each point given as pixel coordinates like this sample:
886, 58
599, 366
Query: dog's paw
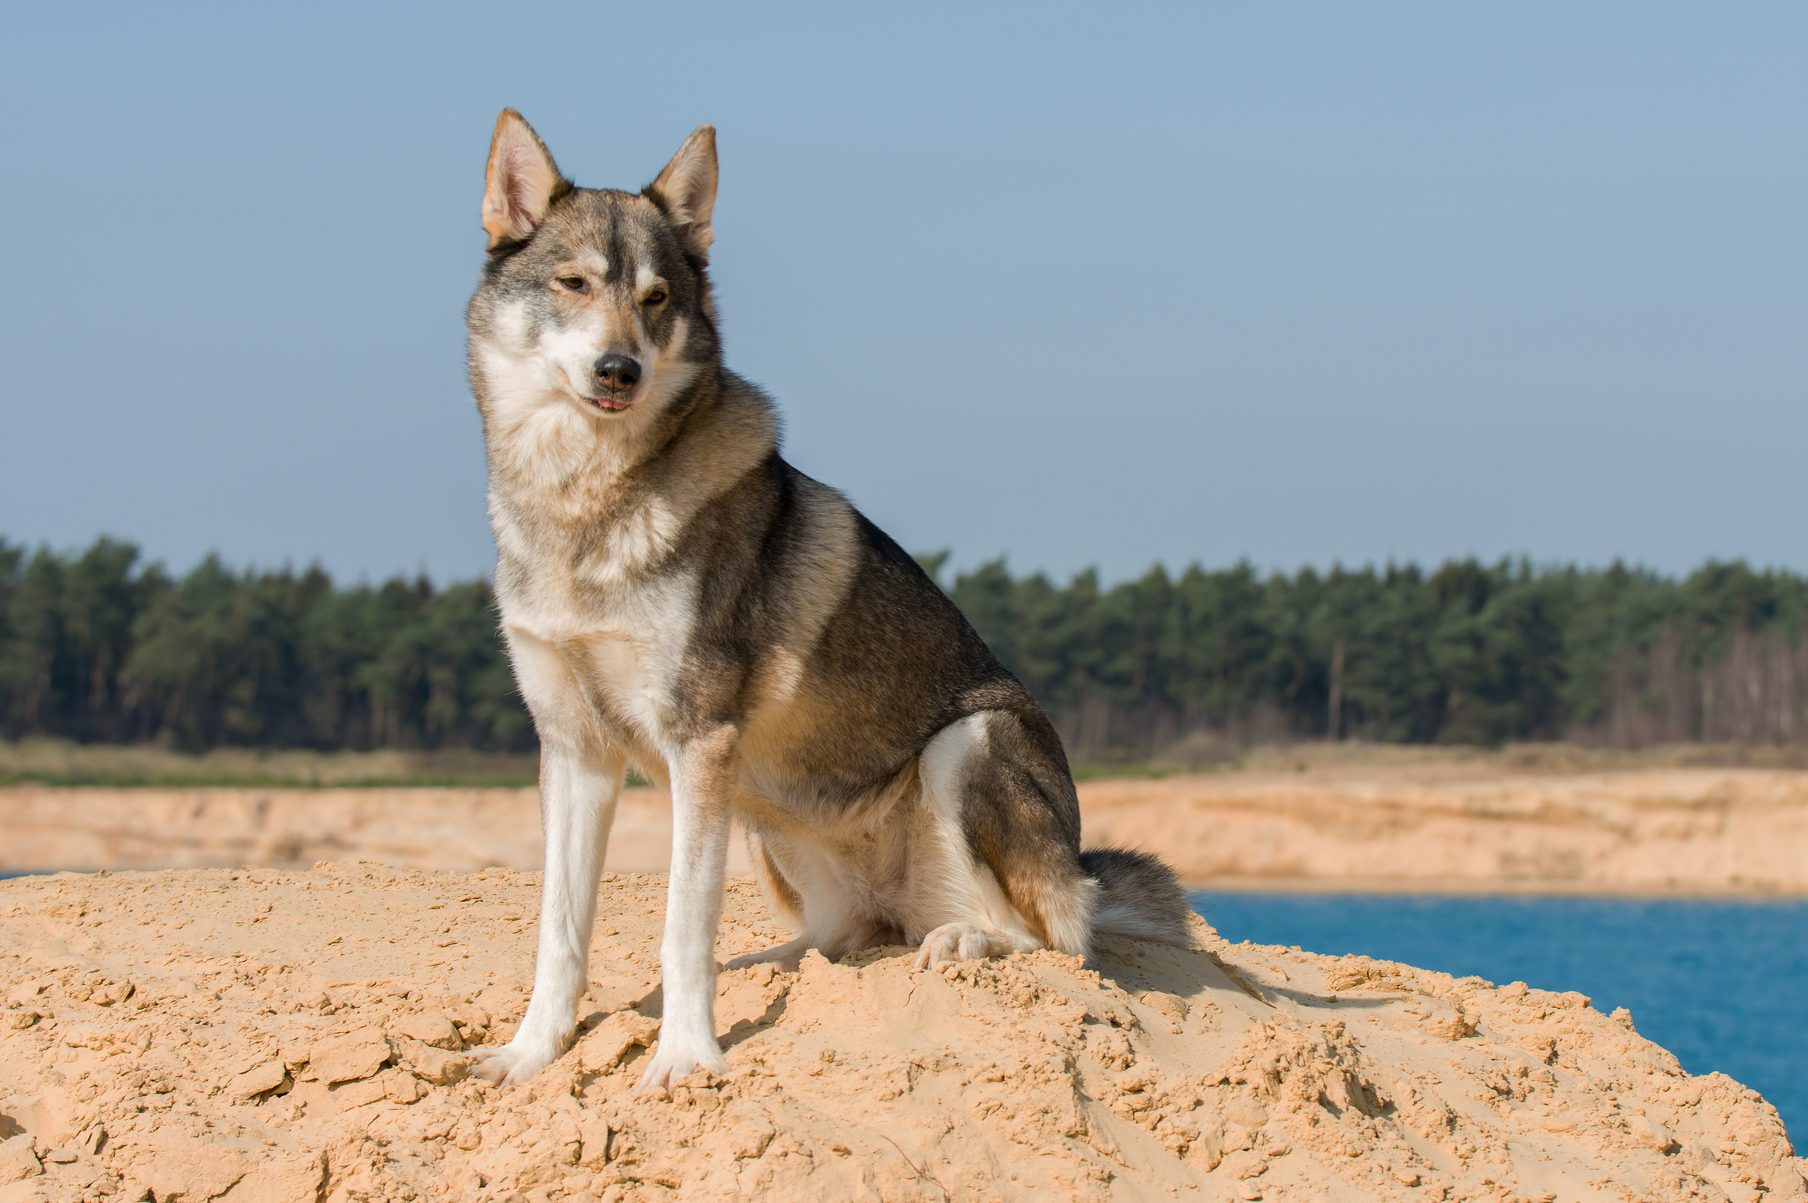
516, 1061
671, 1062
953, 942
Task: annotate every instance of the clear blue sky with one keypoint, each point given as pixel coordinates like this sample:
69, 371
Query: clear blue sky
1103, 285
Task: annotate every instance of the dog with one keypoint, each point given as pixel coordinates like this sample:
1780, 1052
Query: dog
678, 599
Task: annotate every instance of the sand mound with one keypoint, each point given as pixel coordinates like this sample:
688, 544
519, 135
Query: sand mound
264, 1035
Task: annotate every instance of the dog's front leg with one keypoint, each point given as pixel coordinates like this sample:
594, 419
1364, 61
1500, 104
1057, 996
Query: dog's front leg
578, 790
703, 779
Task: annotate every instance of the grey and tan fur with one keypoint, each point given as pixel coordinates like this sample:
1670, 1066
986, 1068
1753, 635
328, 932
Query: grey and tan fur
677, 598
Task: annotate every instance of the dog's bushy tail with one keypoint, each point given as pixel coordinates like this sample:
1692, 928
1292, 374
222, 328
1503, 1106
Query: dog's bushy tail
1138, 897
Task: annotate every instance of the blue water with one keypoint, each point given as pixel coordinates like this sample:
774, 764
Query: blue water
1720, 984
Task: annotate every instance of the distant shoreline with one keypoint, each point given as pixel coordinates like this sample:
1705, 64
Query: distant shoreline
1442, 826
57, 763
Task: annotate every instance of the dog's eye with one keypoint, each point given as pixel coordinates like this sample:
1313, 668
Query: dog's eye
574, 283
656, 297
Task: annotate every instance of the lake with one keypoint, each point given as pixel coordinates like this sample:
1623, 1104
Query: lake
1720, 984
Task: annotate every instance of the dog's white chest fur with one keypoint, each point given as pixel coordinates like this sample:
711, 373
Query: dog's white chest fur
623, 645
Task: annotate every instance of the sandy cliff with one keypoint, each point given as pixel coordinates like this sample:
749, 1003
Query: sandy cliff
299, 1035
1443, 827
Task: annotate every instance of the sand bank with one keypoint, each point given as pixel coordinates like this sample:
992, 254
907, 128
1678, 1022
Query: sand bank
301, 1035
1425, 827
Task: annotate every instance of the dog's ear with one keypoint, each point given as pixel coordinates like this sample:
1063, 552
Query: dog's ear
520, 183
686, 190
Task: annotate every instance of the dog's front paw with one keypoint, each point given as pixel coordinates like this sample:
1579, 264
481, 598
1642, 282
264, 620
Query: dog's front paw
516, 1061
672, 1061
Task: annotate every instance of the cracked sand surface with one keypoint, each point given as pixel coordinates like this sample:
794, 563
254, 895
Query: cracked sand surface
299, 1035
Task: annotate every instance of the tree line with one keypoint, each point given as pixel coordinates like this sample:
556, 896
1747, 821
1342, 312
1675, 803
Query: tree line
99, 646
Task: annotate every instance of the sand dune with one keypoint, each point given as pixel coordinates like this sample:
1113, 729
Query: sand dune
1435, 826
283, 1035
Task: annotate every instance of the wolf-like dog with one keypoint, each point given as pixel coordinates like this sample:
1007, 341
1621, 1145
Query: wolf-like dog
677, 598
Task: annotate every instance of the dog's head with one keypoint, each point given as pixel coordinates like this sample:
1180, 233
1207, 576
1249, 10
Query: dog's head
593, 301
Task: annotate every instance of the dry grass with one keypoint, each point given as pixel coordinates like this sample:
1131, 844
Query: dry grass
57, 762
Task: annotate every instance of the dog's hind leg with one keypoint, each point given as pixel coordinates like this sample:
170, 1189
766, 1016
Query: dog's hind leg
997, 870
783, 897
801, 884
780, 893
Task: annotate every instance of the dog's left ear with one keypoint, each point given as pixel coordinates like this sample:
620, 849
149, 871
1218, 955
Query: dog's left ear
686, 190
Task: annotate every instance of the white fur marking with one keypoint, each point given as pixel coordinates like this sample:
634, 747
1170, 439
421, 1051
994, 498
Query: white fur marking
574, 349
577, 807
956, 906
639, 660
693, 910
945, 761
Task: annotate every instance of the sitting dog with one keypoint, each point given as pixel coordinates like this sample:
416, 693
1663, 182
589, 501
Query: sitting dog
678, 599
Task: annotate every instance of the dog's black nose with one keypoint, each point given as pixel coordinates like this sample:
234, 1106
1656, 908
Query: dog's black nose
617, 371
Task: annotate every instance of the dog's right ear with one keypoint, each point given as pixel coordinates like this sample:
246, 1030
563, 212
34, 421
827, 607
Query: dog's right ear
520, 183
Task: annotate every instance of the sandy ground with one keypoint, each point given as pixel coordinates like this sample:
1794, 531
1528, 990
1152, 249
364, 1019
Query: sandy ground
1439, 826
265, 1035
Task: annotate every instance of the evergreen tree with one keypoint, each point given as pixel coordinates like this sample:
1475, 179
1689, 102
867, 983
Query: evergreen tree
99, 646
